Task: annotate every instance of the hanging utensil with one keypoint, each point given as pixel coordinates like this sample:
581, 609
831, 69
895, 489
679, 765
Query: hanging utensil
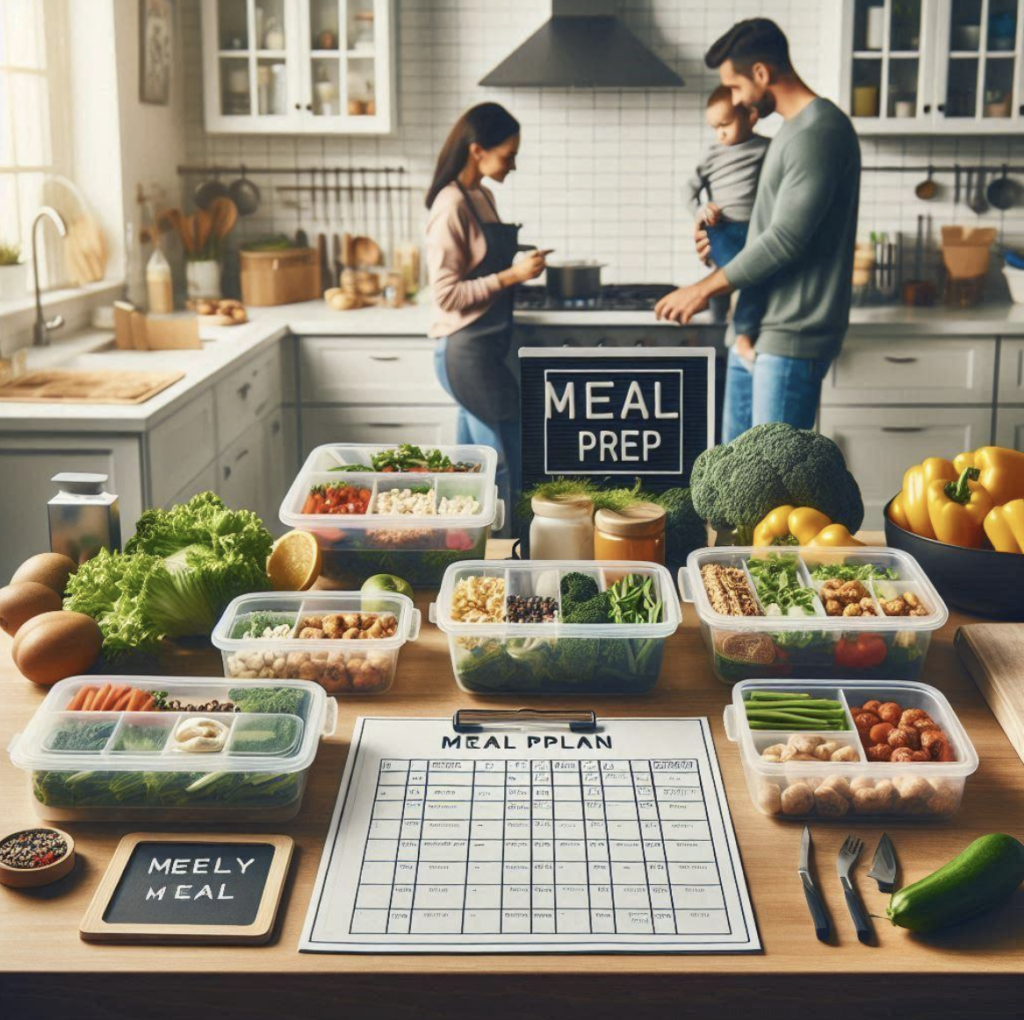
244, 194
388, 197
927, 189
978, 202
956, 189
1002, 192
919, 292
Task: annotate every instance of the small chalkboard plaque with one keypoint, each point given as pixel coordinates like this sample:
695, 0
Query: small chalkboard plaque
168, 887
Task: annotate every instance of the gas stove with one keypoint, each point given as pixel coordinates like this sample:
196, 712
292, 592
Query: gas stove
614, 297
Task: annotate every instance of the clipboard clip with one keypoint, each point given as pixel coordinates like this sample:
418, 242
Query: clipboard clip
473, 720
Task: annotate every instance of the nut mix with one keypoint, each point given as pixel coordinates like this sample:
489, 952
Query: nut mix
33, 848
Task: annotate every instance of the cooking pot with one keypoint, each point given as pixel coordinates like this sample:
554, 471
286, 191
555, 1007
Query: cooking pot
574, 279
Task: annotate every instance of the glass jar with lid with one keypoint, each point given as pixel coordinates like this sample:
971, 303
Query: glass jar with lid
562, 528
636, 532
362, 31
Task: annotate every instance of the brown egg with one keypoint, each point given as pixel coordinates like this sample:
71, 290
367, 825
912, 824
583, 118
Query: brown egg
51, 569
56, 645
20, 602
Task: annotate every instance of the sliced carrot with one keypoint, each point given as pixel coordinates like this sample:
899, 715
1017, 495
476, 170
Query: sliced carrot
137, 698
122, 702
101, 695
148, 704
89, 699
76, 702
111, 699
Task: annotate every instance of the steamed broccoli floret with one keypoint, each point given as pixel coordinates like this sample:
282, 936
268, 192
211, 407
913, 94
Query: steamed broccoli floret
685, 529
577, 587
594, 610
578, 658
772, 465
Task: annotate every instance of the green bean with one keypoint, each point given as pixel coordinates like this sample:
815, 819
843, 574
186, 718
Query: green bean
788, 717
775, 695
809, 703
758, 724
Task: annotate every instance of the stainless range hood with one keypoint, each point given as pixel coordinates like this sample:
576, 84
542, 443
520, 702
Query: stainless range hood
584, 45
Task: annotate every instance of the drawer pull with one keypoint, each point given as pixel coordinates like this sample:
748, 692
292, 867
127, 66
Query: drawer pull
385, 425
275, 427
382, 357
903, 428
243, 390
258, 413
227, 472
900, 361
244, 453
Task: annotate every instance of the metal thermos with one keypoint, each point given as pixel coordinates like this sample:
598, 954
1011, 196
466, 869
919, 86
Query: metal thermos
84, 517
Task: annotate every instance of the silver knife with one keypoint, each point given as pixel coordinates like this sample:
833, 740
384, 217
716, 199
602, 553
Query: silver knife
883, 866
819, 915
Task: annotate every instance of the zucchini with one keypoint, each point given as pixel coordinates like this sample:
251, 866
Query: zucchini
983, 876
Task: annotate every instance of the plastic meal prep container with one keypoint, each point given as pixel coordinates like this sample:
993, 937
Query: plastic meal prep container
876, 647
126, 766
416, 547
339, 665
556, 657
831, 789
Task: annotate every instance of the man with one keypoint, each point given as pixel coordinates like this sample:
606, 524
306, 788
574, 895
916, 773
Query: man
800, 242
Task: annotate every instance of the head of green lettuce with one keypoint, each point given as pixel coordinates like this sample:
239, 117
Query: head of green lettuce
175, 576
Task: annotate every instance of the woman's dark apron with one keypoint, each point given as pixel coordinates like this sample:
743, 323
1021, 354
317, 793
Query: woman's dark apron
475, 355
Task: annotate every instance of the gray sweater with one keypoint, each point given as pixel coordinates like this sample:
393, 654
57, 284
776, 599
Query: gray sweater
729, 175
802, 233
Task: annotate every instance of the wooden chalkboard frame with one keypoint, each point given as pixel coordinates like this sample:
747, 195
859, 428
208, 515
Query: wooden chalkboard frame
95, 929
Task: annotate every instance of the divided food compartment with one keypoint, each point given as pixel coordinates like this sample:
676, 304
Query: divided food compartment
339, 665
113, 766
503, 657
837, 789
876, 647
416, 547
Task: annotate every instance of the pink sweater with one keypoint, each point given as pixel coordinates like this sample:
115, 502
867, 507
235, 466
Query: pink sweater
455, 247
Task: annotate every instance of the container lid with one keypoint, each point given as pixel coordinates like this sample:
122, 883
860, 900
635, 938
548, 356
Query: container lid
293, 606
544, 577
562, 507
276, 729
640, 520
907, 570
335, 463
80, 483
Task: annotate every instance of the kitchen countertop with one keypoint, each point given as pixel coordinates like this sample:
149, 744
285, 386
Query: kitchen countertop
45, 969
224, 347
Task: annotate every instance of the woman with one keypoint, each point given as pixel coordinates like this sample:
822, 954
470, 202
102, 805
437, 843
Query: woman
469, 257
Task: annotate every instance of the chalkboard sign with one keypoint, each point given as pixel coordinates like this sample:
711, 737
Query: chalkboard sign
616, 414
167, 887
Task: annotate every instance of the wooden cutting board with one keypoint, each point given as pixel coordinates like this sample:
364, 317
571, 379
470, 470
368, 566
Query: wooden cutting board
67, 386
994, 656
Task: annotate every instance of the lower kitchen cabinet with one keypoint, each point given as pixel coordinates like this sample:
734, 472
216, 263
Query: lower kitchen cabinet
879, 444
241, 469
27, 463
379, 425
1010, 427
205, 481
279, 469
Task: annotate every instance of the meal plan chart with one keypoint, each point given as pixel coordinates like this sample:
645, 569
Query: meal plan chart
531, 841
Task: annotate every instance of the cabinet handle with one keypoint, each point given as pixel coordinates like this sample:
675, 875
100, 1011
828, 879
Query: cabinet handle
275, 427
243, 390
927, 107
941, 107
903, 428
385, 425
298, 106
227, 472
258, 413
900, 361
381, 357
309, 106
244, 453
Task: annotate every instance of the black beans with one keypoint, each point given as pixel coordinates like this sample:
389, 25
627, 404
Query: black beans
34, 848
531, 609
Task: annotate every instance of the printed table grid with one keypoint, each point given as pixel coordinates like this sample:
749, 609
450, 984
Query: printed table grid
540, 846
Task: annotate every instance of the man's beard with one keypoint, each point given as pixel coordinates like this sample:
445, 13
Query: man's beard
765, 105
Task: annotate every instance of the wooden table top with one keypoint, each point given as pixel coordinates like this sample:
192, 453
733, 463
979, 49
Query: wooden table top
982, 961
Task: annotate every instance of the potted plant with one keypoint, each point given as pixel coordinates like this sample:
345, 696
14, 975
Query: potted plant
13, 279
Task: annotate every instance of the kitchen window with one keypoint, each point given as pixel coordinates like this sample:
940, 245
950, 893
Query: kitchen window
33, 133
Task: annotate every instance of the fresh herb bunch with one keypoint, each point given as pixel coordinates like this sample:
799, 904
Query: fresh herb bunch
777, 580
854, 572
409, 458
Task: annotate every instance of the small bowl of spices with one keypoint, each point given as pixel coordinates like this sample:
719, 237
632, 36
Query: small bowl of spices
35, 857
531, 609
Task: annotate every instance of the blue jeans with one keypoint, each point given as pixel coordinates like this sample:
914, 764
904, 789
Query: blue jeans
504, 437
774, 388
727, 241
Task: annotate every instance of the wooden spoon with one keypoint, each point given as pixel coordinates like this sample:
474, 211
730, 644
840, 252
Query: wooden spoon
203, 223
224, 215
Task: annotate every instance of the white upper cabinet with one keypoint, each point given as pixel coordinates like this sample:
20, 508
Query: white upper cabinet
298, 66
932, 66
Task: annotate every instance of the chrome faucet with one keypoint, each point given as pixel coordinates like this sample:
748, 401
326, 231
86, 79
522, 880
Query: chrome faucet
43, 326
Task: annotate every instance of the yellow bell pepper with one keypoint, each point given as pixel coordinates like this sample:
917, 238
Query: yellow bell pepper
963, 460
1002, 473
898, 513
1004, 526
807, 525
835, 536
774, 526
916, 480
958, 509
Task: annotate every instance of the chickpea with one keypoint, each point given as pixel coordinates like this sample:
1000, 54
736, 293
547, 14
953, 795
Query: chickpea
775, 749
911, 788
887, 795
865, 720
879, 733
866, 802
797, 799
840, 784
890, 712
823, 752
769, 799
830, 803
805, 743
862, 783
846, 753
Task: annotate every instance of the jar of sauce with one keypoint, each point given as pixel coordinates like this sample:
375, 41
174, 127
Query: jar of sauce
634, 533
562, 529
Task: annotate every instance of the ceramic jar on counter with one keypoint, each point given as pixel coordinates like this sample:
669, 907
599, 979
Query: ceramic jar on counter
562, 529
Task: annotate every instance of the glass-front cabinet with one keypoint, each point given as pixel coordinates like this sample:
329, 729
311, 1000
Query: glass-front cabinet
910, 66
298, 66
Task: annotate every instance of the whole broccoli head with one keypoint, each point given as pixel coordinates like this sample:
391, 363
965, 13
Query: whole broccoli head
772, 465
595, 610
685, 529
577, 587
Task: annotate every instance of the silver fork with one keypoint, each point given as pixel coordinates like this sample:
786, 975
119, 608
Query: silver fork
848, 854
